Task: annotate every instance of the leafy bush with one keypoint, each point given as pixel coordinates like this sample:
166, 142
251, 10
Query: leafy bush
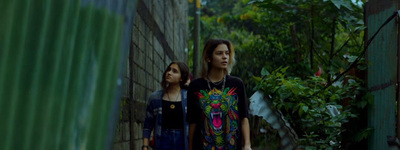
305, 35
305, 105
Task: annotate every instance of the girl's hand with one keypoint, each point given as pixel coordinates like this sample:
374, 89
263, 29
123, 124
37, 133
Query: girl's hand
247, 147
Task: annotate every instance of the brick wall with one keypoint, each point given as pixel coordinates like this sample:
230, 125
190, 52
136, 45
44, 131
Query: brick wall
159, 36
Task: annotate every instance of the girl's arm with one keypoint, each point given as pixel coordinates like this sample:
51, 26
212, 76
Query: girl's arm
145, 144
149, 124
246, 134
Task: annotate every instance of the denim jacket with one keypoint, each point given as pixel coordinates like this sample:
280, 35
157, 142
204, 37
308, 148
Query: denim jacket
154, 117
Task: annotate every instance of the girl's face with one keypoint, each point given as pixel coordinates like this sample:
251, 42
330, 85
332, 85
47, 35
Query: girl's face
173, 74
220, 57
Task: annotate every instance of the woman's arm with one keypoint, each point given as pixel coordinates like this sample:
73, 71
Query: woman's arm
243, 114
246, 134
149, 122
145, 144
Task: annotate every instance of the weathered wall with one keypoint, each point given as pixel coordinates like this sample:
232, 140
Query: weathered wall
382, 56
159, 36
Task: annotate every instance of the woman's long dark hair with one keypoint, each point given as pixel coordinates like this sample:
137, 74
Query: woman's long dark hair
208, 50
184, 75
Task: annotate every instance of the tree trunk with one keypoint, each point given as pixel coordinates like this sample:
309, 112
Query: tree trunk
332, 49
296, 43
312, 38
196, 42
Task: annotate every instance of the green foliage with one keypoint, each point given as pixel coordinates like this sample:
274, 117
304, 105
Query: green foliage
268, 138
305, 102
283, 33
268, 34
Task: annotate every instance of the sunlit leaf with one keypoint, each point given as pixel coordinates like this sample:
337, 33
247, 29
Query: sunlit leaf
264, 72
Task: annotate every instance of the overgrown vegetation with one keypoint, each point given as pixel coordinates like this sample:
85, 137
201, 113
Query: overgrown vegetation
293, 39
310, 108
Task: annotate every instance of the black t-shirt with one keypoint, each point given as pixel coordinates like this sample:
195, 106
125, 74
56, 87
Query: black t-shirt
172, 114
217, 113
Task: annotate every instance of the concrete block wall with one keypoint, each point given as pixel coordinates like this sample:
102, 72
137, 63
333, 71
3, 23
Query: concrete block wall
159, 36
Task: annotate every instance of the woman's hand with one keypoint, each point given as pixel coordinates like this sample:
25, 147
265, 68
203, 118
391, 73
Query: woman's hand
187, 82
145, 147
247, 147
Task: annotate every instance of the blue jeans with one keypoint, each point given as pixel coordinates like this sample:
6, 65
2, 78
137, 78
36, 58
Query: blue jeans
172, 139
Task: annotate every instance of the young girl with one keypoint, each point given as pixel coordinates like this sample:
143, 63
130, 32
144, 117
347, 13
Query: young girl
166, 111
217, 106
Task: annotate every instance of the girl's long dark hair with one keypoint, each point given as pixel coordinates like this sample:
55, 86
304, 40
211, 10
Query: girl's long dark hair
184, 75
208, 50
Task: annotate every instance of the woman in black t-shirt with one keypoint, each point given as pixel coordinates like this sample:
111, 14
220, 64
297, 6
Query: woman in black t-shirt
217, 106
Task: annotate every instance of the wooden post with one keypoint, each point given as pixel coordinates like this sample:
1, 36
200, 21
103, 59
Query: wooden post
196, 42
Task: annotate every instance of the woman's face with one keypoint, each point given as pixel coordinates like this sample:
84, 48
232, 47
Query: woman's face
173, 74
220, 57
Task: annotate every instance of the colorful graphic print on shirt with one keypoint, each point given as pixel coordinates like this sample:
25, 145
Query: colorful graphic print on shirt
221, 118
